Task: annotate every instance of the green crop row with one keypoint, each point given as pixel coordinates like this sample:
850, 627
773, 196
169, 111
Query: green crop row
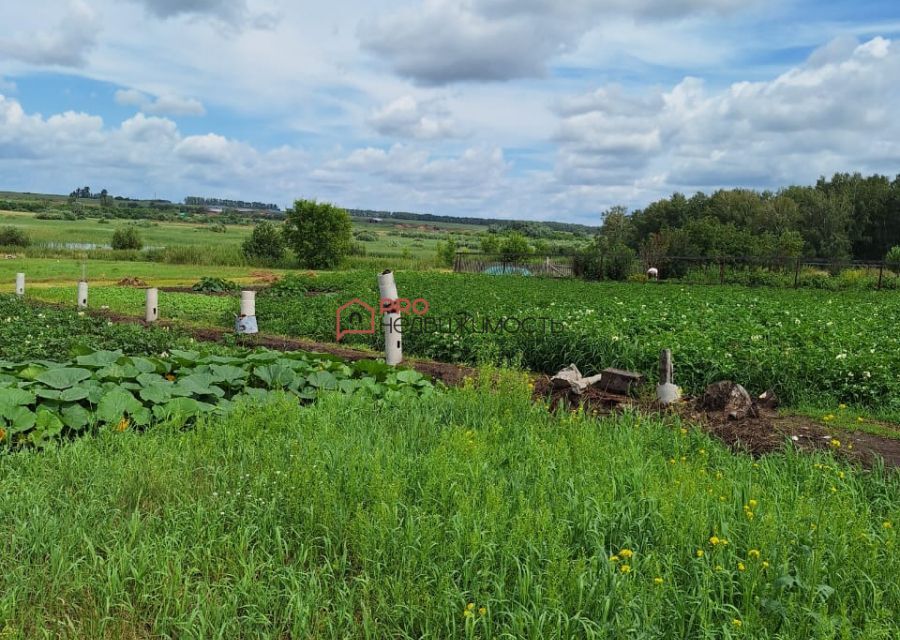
809, 346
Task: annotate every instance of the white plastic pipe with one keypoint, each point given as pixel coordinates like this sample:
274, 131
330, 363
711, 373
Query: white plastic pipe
82, 294
393, 338
152, 311
248, 303
20, 284
246, 322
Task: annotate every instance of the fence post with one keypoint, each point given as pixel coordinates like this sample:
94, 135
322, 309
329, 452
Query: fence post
797, 273
152, 310
721, 271
393, 336
880, 275
246, 322
20, 284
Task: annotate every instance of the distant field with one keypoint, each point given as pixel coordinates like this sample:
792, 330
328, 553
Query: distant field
392, 238
64, 270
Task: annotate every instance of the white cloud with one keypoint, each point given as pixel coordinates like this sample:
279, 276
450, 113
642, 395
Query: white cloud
832, 113
143, 155
407, 117
168, 104
445, 41
65, 45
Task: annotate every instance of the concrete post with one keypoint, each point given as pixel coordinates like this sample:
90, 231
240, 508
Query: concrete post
20, 284
666, 391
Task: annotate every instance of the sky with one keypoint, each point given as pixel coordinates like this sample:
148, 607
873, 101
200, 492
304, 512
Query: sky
523, 109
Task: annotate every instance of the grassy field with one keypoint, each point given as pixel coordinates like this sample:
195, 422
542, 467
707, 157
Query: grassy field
475, 515
56, 271
391, 239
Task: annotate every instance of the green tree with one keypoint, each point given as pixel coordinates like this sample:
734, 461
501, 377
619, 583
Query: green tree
319, 233
127, 238
446, 252
513, 246
490, 243
265, 243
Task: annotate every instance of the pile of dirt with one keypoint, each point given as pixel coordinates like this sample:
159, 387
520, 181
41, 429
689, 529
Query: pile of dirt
131, 282
265, 277
758, 432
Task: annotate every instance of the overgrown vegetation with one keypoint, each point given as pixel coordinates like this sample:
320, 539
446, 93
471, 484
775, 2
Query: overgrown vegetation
475, 514
13, 237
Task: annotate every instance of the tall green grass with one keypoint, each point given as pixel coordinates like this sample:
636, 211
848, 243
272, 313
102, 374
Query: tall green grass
475, 515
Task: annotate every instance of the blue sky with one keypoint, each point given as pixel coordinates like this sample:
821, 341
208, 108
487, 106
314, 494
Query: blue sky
533, 109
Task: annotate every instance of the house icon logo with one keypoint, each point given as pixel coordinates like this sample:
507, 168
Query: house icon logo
355, 313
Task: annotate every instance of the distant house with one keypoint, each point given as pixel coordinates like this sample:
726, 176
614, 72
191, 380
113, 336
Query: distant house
374, 220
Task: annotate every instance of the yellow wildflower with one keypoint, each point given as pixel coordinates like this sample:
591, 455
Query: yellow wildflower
470, 606
719, 567
736, 623
625, 568
683, 431
753, 504
657, 580
482, 610
741, 566
699, 553
626, 553
614, 558
765, 564
753, 553
714, 540
835, 443
887, 524
842, 406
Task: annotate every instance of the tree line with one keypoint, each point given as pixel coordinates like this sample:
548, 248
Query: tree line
232, 204
849, 216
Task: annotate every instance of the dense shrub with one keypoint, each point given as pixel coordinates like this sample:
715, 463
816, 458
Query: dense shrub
126, 238
14, 237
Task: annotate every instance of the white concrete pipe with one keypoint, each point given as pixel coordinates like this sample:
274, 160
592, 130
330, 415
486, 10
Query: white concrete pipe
152, 311
246, 322
20, 284
82, 294
393, 338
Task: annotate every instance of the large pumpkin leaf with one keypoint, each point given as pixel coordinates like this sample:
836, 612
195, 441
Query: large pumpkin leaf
99, 359
115, 404
117, 371
19, 418
11, 396
157, 392
274, 375
63, 378
324, 380
76, 417
228, 374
